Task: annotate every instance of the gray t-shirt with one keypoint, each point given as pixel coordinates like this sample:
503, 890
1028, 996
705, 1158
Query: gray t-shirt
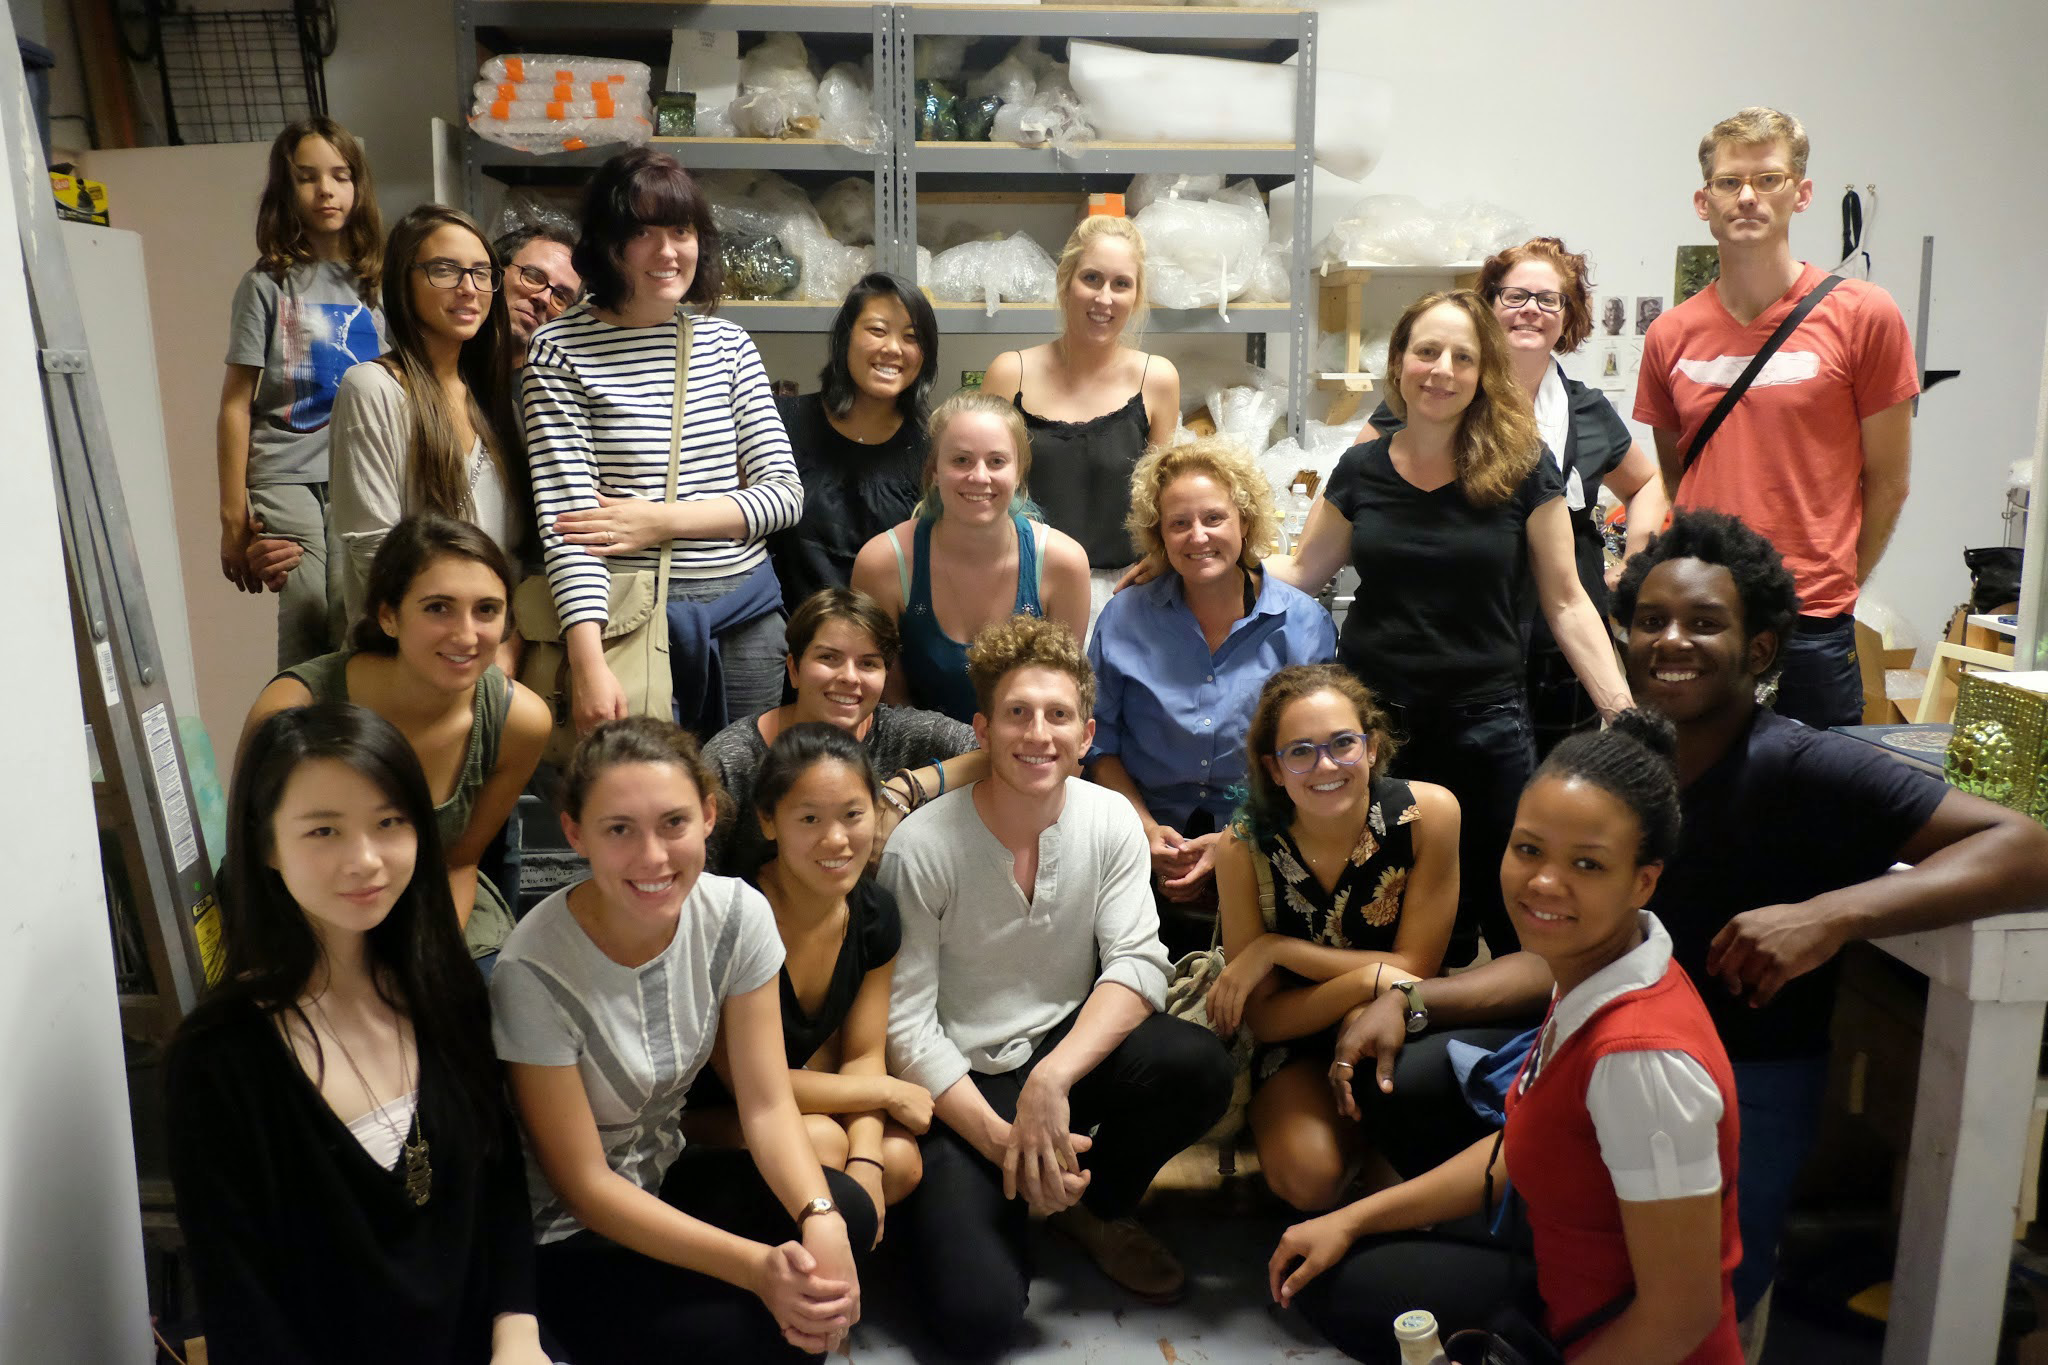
638, 1035
303, 335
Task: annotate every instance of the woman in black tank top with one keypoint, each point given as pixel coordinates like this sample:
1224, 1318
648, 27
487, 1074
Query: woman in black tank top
1092, 403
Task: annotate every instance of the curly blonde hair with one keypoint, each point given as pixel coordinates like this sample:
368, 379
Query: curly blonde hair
1222, 460
1022, 641
1094, 228
1497, 442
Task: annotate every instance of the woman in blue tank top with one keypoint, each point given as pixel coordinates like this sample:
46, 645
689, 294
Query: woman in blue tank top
972, 555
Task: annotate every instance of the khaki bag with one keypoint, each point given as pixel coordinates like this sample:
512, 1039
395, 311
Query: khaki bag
636, 618
1187, 997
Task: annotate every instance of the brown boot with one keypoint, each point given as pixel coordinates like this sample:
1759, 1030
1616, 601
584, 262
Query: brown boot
1124, 1251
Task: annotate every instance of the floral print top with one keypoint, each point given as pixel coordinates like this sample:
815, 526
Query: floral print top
1363, 911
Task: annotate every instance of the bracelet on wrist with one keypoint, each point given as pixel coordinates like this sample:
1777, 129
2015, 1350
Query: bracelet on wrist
897, 801
873, 1161
940, 769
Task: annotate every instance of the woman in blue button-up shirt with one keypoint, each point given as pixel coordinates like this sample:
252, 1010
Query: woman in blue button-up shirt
1179, 662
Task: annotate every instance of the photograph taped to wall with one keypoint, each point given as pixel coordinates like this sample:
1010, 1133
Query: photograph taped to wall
1613, 315
1648, 306
1696, 268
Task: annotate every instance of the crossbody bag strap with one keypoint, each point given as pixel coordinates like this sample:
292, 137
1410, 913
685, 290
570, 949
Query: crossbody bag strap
1264, 868
1756, 365
675, 450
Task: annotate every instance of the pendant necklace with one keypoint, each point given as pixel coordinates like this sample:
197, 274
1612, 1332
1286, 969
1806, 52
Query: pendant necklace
419, 1171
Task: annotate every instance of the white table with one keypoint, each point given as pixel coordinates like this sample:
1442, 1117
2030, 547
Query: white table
1987, 982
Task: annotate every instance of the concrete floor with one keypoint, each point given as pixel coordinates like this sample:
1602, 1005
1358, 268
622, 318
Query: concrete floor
1223, 1231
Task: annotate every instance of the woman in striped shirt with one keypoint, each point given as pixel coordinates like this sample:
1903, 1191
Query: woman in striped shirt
598, 391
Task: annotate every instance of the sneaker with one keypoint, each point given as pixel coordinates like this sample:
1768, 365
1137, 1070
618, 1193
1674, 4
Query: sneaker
1124, 1251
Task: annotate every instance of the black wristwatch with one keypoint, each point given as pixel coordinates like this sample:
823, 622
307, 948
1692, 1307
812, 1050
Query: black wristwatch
1413, 1011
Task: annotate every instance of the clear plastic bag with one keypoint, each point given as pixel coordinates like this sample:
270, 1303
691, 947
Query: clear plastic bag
752, 205
1014, 79
757, 267
1245, 413
778, 94
847, 209
1319, 450
938, 112
939, 59
1395, 229
524, 207
846, 107
1201, 253
1152, 186
978, 117
1012, 269
1272, 278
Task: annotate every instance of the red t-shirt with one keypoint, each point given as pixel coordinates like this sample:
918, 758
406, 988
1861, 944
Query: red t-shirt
1789, 458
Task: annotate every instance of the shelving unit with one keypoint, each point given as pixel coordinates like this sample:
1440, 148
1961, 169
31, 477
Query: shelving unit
1340, 290
640, 29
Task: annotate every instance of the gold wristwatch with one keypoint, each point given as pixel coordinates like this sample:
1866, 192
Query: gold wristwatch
812, 1208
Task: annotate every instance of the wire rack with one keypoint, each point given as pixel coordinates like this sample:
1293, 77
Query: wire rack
237, 76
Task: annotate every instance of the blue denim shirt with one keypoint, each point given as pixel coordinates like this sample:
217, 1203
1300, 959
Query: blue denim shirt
1174, 713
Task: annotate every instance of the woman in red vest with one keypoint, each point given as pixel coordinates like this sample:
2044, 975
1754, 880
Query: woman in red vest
1621, 1127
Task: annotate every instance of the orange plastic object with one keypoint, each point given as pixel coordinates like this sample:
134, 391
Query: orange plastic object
574, 144
1110, 204
501, 110
565, 90
515, 67
565, 75
604, 105
556, 109
508, 91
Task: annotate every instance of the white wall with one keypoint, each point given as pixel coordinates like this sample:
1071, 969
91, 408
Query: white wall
1586, 117
195, 211
70, 1236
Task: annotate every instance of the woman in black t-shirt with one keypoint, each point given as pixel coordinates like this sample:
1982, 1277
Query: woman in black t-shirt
1540, 294
859, 441
815, 798
1450, 522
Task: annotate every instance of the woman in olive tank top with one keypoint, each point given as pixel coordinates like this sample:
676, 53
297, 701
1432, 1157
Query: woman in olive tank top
421, 657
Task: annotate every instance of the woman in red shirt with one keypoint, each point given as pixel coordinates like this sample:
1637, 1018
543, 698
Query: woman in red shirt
1621, 1132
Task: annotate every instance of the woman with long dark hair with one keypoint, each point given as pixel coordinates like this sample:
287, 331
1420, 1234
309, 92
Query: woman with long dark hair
431, 425
859, 440
436, 610
348, 1178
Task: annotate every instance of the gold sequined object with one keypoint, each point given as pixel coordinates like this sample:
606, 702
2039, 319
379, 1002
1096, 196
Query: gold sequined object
1999, 750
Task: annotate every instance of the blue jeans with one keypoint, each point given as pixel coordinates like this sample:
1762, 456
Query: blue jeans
1779, 1103
1821, 685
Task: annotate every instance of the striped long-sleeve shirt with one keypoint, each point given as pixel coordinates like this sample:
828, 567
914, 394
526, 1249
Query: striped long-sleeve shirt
597, 401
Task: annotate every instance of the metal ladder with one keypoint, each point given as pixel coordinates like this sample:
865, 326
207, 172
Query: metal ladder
142, 791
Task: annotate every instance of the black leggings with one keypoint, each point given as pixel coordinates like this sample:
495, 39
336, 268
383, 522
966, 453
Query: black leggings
965, 1245
1426, 1121
1459, 1272
602, 1304
1483, 752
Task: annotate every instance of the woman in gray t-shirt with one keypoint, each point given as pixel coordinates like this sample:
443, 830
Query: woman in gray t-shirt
607, 1001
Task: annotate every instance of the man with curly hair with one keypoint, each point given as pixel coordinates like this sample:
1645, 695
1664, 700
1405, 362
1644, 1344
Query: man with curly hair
1785, 855
1026, 999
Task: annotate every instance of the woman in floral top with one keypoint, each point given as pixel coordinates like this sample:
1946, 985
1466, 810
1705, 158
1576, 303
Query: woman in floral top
1364, 875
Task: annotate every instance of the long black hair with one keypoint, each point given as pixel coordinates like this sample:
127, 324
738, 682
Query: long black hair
416, 955
836, 386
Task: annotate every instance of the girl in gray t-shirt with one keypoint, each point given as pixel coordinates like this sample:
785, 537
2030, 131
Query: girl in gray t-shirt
607, 1001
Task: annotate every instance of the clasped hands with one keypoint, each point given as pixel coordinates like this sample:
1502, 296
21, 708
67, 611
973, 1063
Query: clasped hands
1182, 864
1041, 1159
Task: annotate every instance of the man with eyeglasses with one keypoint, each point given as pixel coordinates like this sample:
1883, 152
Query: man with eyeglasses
1815, 453
540, 282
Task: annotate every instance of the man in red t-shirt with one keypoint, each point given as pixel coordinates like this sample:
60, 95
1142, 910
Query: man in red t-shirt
1815, 455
